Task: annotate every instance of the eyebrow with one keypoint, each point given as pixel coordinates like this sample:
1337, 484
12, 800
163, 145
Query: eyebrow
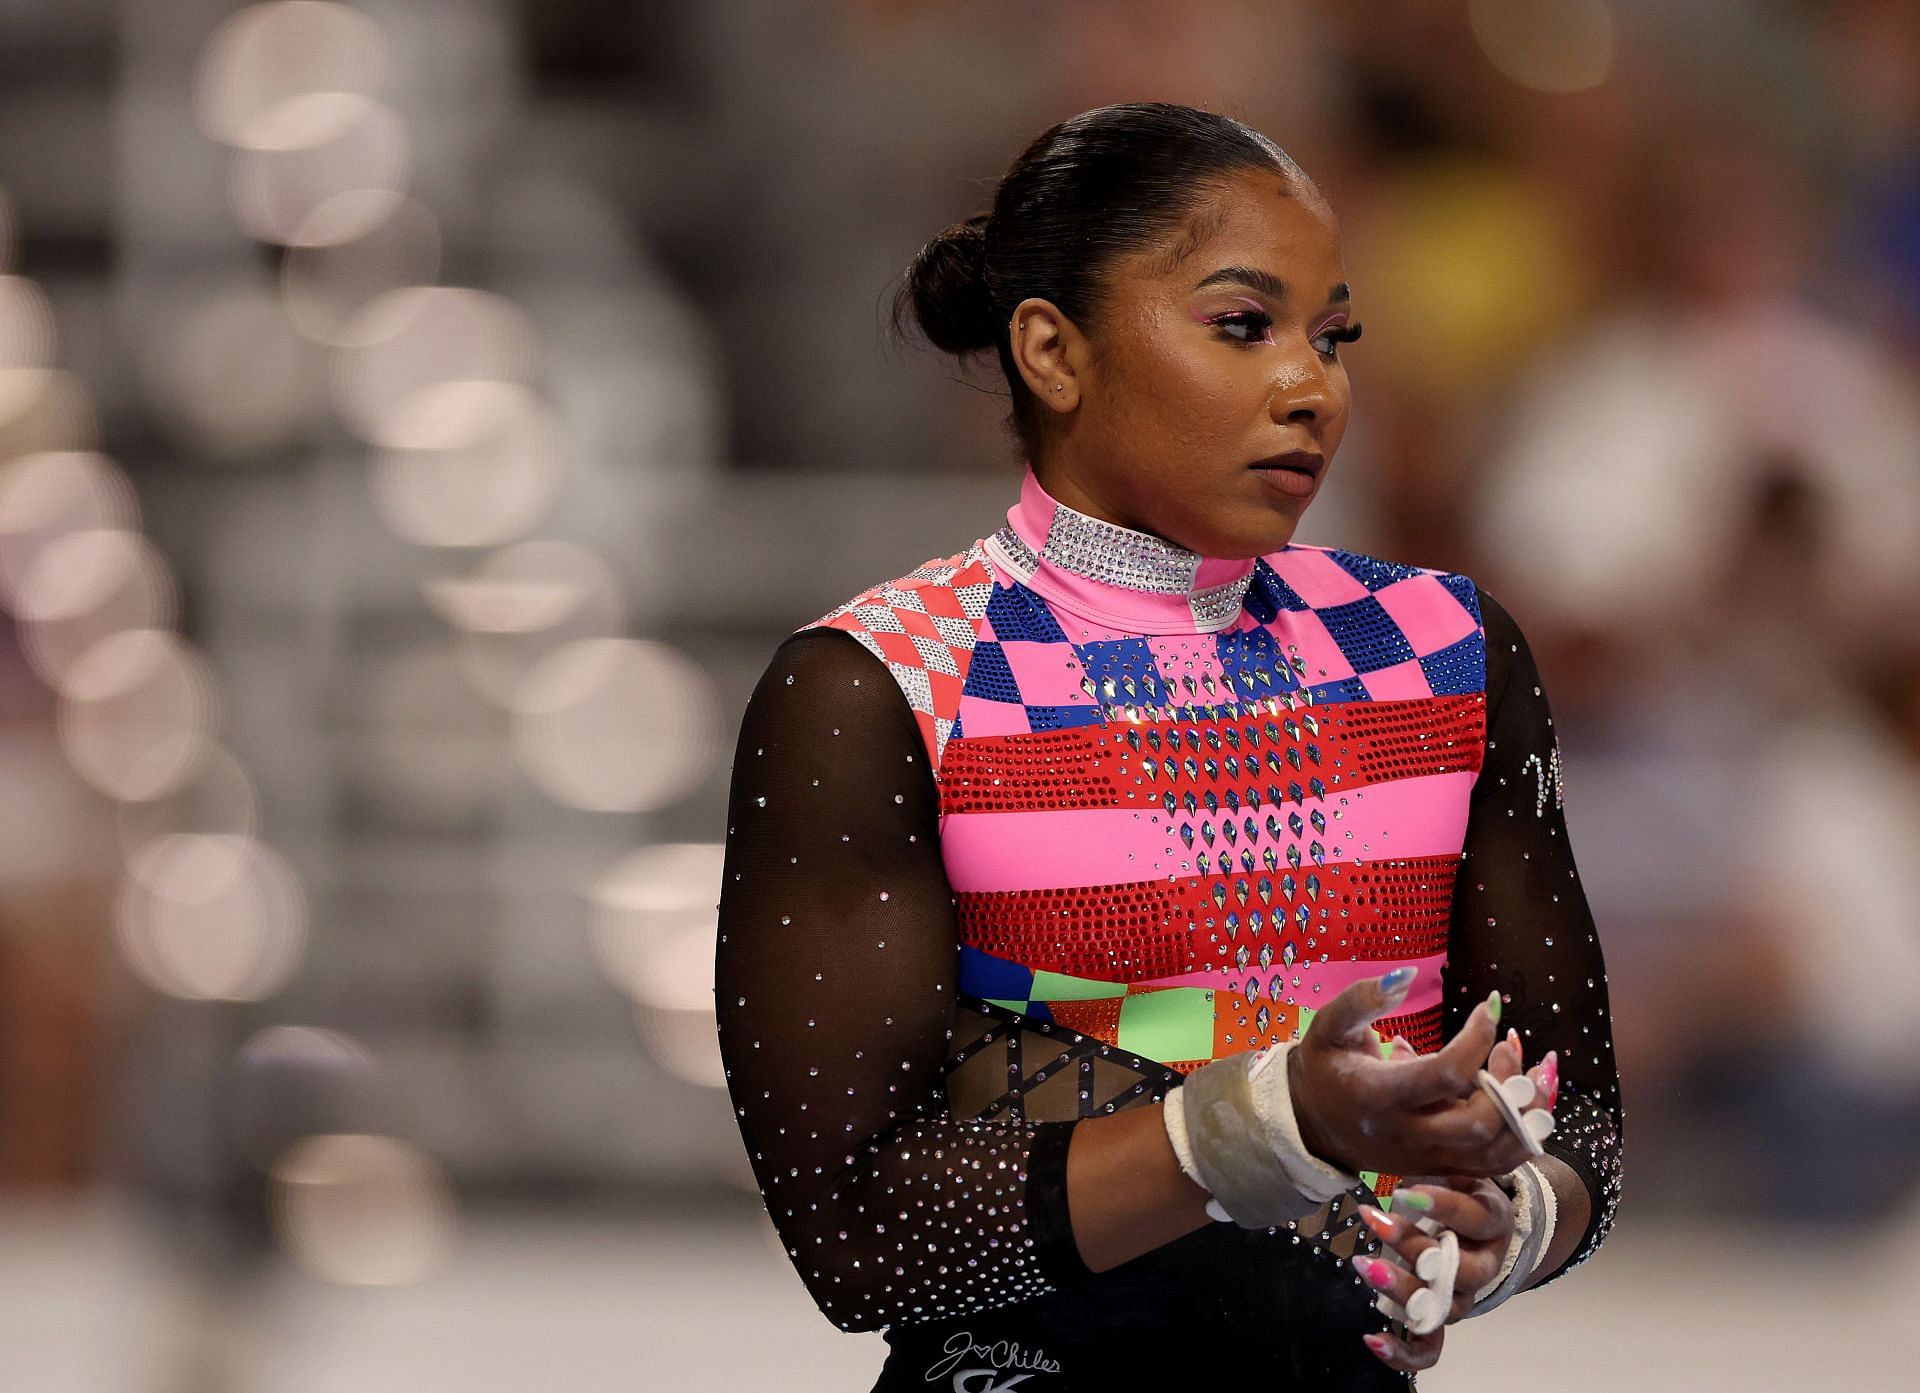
1266, 283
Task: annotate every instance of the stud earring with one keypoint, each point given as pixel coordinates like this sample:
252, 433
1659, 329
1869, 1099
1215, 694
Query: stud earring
1058, 385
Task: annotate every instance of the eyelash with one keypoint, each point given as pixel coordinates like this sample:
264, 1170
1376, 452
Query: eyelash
1343, 333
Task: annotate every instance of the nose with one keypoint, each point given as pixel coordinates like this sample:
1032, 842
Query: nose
1305, 393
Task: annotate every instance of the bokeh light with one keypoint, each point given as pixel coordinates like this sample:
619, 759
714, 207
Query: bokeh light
86, 586
362, 1210
421, 337
615, 725
26, 344
210, 917
520, 604
355, 246
649, 896
49, 495
268, 55
216, 797
135, 713
466, 463
319, 148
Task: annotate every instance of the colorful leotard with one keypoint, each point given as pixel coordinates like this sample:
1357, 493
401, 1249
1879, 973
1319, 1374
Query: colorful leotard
1027, 834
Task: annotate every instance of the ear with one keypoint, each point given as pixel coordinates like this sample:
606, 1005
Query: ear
1050, 351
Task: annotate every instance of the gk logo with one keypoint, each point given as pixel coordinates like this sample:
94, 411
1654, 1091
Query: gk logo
962, 1385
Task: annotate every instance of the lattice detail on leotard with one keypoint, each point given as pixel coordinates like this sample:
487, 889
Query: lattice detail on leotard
1013, 1066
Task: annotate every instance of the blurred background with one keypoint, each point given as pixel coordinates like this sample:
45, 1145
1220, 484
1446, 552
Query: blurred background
420, 420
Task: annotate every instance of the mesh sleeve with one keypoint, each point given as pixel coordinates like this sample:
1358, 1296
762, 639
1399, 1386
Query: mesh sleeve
1520, 923
835, 977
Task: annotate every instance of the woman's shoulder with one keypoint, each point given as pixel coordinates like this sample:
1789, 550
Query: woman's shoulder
923, 626
950, 592
1327, 577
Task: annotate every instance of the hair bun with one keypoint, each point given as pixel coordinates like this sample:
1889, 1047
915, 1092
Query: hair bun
946, 285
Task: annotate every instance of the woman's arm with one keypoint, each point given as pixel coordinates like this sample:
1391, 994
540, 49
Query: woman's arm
1521, 925
835, 978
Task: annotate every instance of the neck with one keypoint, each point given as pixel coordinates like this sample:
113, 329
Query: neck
1130, 580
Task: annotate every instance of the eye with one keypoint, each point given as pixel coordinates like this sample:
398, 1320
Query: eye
1257, 323
1342, 333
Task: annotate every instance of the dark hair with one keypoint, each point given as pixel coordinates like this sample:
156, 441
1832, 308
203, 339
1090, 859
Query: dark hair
1109, 181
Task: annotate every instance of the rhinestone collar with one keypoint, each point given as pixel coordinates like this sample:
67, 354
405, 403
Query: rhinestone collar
1131, 581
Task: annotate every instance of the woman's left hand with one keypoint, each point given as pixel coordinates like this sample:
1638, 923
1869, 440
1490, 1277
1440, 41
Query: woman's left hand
1481, 1217
1474, 1207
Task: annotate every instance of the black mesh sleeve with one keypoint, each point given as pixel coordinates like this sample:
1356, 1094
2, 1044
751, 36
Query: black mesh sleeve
1521, 924
834, 984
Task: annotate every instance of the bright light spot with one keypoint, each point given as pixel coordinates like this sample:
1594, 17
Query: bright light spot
362, 1210
1546, 45
333, 143
683, 1041
420, 337
216, 798
135, 714
615, 725
26, 345
210, 918
267, 55
44, 497
520, 604
466, 463
85, 586
353, 247
644, 906
59, 417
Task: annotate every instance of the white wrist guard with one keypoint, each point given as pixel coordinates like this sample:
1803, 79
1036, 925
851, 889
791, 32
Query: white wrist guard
1233, 1128
1534, 1212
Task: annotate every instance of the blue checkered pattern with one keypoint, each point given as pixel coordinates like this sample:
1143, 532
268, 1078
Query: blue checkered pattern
1366, 634
1371, 571
1458, 668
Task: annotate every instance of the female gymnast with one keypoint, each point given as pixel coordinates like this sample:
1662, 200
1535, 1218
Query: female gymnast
1137, 925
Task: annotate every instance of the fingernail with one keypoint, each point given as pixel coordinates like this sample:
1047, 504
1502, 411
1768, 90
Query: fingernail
1513, 1038
1397, 981
1377, 1219
1493, 1005
1550, 1073
1414, 1200
1376, 1343
1374, 1272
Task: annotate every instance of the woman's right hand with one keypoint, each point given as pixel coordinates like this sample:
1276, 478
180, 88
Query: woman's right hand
1410, 1114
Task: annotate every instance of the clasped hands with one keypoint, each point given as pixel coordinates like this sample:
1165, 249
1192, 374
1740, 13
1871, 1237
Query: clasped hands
1421, 1115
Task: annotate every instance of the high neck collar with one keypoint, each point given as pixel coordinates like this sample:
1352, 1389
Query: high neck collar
1131, 581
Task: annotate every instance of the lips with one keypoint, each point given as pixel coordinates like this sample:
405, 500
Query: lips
1299, 461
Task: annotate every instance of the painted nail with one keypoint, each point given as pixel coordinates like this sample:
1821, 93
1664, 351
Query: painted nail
1398, 980
1493, 1005
1377, 1219
1373, 1272
1513, 1038
1413, 1200
1377, 1343
1550, 1074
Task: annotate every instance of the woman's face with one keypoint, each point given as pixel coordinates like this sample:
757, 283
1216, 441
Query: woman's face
1214, 353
